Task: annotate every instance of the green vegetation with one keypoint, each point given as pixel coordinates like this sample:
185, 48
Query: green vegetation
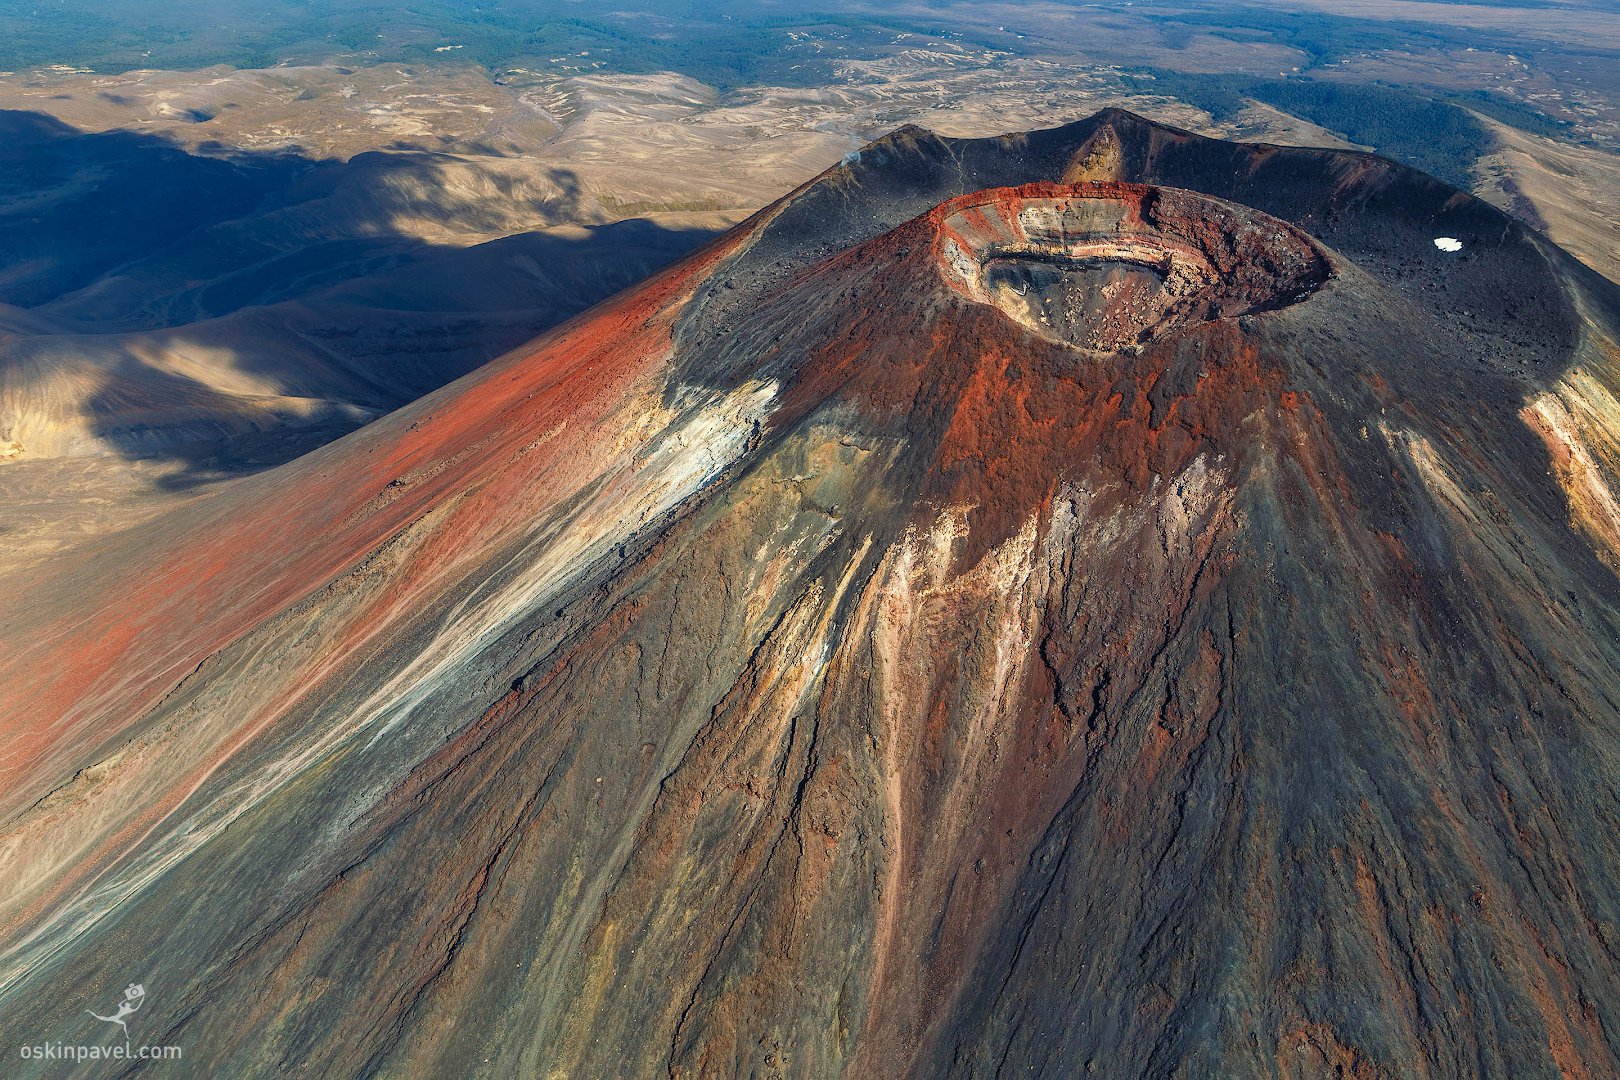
732, 43
1440, 136
726, 43
1325, 39
1513, 113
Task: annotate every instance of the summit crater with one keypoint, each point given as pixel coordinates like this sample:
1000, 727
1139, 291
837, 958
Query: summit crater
1108, 266
796, 666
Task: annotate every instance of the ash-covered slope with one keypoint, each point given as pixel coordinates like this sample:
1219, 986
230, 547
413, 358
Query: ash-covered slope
1101, 599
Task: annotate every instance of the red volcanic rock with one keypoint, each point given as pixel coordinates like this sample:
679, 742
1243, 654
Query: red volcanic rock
962, 623
1106, 265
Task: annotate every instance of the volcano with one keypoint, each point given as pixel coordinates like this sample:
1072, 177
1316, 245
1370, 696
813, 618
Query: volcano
1101, 601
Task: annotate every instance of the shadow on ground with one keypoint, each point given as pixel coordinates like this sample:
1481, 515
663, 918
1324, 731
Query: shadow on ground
233, 310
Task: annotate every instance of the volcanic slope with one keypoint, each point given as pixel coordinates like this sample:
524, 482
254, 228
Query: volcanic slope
1094, 600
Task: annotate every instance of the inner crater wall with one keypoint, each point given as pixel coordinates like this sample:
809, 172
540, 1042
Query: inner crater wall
1107, 267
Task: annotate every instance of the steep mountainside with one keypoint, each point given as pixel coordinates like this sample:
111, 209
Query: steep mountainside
1094, 601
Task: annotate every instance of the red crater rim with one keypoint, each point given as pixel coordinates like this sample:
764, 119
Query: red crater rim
1109, 267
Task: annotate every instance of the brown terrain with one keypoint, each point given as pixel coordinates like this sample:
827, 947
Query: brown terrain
529, 569
122, 370
1099, 601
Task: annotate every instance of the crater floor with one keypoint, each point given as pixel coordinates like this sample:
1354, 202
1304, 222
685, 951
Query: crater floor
1110, 266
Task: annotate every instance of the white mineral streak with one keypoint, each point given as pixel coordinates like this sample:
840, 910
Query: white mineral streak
655, 478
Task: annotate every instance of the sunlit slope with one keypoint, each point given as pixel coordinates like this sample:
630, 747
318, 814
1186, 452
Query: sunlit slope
1099, 598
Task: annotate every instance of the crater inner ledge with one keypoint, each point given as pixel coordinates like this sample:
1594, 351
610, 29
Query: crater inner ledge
1107, 266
